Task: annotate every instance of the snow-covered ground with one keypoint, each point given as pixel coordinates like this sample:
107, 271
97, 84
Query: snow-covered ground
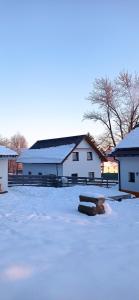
49, 251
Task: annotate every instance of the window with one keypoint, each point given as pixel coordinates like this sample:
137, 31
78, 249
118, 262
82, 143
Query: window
89, 155
91, 175
131, 177
75, 156
29, 173
74, 175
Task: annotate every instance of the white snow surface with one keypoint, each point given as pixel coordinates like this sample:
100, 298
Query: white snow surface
49, 250
131, 140
4, 151
46, 155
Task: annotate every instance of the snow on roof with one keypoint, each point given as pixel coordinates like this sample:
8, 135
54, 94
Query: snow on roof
131, 140
4, 151
46, 155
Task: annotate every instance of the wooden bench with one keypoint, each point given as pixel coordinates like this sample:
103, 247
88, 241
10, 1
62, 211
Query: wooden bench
92, 210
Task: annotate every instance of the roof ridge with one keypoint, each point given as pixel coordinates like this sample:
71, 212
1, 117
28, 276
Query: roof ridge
63, 137
58, 141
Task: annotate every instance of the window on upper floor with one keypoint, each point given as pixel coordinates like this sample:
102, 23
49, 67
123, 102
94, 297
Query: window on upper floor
89, 155
131, 177
75, 156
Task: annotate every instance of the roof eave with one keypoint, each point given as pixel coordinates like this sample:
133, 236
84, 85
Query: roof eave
119, 152
70, 152
8, 156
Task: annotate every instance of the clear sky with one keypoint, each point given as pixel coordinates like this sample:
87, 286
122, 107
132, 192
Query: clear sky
50, 53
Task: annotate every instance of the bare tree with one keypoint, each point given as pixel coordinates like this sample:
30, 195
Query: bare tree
116, 106
4, 141
18, 142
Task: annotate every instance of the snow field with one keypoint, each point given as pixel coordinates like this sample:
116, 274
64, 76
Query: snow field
50, 251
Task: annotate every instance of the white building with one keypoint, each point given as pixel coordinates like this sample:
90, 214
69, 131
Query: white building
127, 153
68, 156
5, 155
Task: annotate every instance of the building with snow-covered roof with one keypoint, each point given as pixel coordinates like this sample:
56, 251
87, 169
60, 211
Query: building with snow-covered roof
68, 156
127, 153
5, 155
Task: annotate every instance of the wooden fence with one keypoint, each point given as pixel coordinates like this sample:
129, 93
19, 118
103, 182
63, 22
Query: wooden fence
53, 181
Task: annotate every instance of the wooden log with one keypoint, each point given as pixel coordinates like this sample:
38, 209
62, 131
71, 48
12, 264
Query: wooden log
95, 200
89, 211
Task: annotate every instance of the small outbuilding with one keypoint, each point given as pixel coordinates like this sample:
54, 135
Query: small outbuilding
5, 155
127, 153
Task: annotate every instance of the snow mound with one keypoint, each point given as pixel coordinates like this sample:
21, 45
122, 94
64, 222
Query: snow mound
108, 209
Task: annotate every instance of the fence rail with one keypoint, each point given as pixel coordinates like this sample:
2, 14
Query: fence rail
60, 181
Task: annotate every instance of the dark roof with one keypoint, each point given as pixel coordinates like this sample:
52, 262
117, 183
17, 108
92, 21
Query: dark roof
58, 142
125, 152
65, 141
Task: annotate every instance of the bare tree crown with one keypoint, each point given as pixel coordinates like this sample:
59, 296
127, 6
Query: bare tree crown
115, 105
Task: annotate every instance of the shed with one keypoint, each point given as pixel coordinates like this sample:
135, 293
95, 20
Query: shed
127, 153
5, 155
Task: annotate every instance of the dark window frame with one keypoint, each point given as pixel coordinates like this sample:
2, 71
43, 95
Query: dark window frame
89, 155
75, 156
131, 177
74, 175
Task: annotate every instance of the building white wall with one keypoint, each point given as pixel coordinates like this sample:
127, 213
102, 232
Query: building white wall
129, 164
83, 166
45, 169
4, 174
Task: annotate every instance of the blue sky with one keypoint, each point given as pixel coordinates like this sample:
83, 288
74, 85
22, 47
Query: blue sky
50, 53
